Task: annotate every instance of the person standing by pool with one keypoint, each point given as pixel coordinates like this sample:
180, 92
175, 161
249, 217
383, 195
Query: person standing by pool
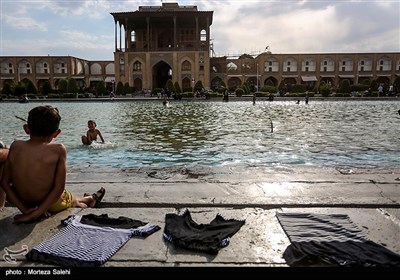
34, 174
165, 101
91, 134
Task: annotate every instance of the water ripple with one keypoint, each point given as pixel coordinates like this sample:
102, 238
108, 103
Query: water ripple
322, 133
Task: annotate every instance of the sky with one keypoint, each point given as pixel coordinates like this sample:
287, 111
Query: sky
85, 28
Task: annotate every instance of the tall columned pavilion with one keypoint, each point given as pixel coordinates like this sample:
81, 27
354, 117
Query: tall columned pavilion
157, 43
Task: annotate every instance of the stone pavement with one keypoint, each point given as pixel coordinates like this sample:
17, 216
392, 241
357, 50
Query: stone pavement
371, 198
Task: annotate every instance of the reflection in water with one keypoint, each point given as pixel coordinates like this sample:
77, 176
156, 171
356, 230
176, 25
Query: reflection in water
326, 133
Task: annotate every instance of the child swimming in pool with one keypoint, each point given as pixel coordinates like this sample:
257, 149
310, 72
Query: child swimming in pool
34, 174
91, 134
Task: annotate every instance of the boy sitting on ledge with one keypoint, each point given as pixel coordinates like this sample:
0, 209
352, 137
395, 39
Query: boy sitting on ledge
34, 174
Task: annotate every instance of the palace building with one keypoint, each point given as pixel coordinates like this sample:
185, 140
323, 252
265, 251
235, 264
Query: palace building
157, 43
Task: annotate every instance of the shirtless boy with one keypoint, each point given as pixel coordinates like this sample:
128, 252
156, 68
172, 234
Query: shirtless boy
91, 134
34, 174
3, 157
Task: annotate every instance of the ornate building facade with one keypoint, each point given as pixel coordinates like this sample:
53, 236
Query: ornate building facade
157, 43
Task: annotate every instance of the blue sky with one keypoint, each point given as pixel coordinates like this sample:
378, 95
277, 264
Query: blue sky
85, 28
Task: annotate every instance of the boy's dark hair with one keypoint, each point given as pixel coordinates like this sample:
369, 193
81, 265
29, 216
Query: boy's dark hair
92, 121
43, 121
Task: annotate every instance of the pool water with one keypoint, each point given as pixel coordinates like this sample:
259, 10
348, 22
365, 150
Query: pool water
267, 134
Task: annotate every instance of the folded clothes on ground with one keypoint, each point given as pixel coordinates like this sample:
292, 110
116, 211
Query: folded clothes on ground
326, 240
88, 240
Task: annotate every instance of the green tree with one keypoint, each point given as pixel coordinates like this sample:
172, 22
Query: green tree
198, 86
324, 89
62, 86
374, 85
239, 92
30, 87
72, 86
46, 88
19, 89
126, 89
345, 86
170, 86
397, 83
100, 88
367, 82
120, 88
6, 89
269, 83
282, 86
246, 87
177, 87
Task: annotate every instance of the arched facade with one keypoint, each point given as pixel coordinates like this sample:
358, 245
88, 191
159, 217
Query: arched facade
156, 42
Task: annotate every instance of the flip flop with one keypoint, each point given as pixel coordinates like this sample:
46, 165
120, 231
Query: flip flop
97, 197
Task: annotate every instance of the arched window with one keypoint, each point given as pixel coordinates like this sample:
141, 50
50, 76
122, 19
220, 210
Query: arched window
137, 66
186, 66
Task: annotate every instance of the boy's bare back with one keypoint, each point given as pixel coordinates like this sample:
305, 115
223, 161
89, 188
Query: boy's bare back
36, 168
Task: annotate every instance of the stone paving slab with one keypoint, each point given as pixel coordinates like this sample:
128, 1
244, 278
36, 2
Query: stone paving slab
370, 197
260, 242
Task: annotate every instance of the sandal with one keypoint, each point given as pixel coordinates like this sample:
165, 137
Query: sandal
98, 196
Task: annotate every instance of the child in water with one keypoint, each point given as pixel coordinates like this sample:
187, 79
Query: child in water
91, 134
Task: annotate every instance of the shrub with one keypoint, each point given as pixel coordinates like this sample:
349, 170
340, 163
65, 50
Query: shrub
325, 89
46, 88
345, 86
6, 90
239, 92
72, 86
62, 86
177, 87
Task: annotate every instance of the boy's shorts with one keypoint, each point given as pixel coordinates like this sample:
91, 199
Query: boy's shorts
65, 201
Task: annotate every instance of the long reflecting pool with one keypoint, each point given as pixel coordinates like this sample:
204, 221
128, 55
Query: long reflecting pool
267, 134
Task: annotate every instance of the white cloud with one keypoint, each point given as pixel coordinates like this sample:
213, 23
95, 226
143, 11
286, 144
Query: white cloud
23, 22
86, 27
304, 26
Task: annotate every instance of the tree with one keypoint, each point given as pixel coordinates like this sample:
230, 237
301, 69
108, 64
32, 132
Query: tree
198, 86
19, 89
62, 86
72, 86
269, 83
120, 88
126, 89
170, 86
374, 85
46, 88
6, 89
246, 87
30, 87
282, 87
324, 89
345, 86
397, 84
177, 87
100, 88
